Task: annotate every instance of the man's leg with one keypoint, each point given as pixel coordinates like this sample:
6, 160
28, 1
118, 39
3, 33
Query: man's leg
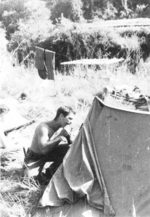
59, 152
57, 156
33, 163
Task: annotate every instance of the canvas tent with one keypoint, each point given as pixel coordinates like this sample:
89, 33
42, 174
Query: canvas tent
107, 169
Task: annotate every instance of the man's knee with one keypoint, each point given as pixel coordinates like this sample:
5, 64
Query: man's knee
62, 149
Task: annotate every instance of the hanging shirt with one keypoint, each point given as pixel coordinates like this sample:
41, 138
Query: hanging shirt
50, 64
40, 62
45, 63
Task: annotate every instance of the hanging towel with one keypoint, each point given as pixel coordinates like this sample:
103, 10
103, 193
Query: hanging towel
40, 62
39, 58
50, 64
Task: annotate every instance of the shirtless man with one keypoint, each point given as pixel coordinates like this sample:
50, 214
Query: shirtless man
45, 146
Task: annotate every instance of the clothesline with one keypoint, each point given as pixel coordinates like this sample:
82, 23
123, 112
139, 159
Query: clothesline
53, 52
89, 61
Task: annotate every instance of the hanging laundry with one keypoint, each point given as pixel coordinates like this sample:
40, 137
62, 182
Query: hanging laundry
40, 62
50, 64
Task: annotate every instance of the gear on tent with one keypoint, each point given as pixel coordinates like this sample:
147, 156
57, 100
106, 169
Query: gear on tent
133, 97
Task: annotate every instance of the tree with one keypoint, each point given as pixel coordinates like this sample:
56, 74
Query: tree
32, 29
71, 9
10, 13
37, 24
88, 6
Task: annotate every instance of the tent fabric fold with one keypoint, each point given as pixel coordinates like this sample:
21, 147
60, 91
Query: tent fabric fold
79, 176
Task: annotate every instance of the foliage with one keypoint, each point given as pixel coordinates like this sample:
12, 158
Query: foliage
27, 23
87, 9
10, 13
67, 8
78, 41
102, 8
139, 10
31, 30
38, 25
109, 12
50, 3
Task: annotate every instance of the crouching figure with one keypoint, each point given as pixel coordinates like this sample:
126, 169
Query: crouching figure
50, 143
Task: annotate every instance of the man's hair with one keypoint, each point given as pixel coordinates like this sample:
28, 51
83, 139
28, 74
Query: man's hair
63, 110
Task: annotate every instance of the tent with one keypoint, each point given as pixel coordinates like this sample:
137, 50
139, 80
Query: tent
106, 172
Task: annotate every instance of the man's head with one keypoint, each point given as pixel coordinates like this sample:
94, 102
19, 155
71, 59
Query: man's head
64, 114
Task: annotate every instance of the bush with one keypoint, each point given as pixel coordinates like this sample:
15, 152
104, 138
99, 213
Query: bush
70, 9
77, 42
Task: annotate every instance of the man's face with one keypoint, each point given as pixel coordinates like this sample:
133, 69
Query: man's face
66, 120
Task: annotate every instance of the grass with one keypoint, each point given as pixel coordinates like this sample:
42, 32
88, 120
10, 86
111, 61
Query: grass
18, 195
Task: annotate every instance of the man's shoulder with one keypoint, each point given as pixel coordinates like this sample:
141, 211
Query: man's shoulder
44, 126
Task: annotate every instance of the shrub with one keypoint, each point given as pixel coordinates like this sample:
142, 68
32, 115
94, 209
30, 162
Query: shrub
79, 41
69, 9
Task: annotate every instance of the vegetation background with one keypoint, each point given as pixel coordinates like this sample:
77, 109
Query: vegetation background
74, 29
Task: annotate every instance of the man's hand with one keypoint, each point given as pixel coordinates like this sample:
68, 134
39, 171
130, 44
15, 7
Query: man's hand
63, 139
64, 133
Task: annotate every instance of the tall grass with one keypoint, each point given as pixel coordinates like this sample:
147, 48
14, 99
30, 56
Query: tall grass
19, 197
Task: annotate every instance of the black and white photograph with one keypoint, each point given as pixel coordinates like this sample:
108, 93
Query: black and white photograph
75, 108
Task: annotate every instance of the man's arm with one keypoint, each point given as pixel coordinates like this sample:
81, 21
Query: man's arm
45, 144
